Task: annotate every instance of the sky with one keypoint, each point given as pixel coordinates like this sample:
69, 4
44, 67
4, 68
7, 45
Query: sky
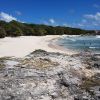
83, 14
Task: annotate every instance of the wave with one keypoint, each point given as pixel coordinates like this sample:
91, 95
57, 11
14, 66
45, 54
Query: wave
97, 36
94, 47
73, 40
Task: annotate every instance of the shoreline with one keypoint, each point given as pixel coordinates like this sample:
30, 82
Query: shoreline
22, 46
43, 72
54, 45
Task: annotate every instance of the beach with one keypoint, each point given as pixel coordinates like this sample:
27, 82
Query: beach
49, 50
37, 68
24, 45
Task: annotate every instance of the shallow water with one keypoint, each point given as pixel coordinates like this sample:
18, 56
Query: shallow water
80, 43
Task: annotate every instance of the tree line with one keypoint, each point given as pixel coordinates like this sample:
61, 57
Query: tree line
15, 28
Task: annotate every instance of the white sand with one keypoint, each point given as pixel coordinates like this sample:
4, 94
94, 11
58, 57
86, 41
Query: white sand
24, 45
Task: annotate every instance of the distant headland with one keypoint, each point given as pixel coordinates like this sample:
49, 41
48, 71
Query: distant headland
15, 28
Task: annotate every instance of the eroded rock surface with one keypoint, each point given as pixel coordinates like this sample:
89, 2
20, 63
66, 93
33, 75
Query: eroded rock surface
47, 76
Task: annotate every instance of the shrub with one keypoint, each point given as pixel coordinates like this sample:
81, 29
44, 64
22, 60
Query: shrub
2, 33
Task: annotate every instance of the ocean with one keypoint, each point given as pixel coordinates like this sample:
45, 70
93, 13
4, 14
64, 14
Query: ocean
80, 43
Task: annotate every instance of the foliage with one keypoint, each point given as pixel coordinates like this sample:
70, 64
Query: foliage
2, 32
15, 28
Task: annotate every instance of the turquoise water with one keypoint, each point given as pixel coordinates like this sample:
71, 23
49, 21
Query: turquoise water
80, 43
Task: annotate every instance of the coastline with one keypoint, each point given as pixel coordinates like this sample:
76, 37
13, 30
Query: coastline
46, 72
24, 45
53, 44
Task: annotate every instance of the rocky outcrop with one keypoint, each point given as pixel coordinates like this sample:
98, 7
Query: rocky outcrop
44, 76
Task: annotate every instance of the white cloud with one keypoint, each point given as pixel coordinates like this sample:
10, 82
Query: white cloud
18, 13
96, 6
81, 25
84, 21
52, 21
45, 22
93, 17
95, 24
6, 17
89, 16
90, 20
66, 25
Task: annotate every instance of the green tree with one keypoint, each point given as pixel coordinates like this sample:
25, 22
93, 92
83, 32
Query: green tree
2, 33
15, 28
16, 31
40, 32
28, 31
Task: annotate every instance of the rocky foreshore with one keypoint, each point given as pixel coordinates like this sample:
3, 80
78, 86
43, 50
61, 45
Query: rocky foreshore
50, 76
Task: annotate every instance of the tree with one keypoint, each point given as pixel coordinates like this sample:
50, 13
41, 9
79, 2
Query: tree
28, 31
15, 28
59, 30
40, 32
2, 32
16, 31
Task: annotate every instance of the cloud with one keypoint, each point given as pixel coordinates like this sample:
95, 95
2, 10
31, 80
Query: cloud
96, 6
52, 21
93, 17
45, 22
66, 25
6, 17
18, 13
90, 21
81, 24
84, 20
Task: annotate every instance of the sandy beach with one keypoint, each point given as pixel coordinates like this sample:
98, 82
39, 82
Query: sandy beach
24, 45
52, 72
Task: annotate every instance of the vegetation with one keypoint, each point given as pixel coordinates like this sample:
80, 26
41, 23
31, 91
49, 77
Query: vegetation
2, 32
15, 28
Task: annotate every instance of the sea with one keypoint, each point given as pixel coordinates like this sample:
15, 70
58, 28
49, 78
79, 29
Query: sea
80, 43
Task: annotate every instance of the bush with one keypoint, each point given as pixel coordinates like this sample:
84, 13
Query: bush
15, 28
2, 33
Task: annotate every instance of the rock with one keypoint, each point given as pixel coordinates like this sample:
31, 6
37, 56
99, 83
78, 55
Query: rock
44, 76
